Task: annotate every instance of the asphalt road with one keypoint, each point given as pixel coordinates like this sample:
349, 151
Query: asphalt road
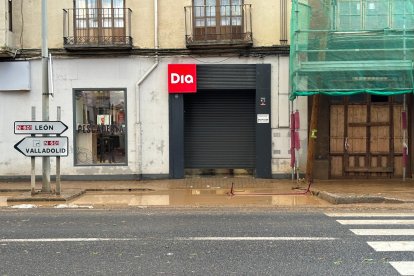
159, 241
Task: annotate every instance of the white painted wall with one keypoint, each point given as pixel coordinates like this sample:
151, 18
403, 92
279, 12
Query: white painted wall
3, 26
69, 74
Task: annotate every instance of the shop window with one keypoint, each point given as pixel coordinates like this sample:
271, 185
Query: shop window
100, 127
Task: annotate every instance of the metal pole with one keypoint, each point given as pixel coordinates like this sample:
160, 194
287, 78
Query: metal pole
33, 161
58, 159
291, 139
405, 146
404, 139
45, 96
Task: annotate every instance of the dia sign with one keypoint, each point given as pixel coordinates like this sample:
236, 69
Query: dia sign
182, 78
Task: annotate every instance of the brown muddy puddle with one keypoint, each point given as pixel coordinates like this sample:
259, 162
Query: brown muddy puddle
195, 197
184, 197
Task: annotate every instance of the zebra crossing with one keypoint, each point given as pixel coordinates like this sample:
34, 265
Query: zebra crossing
384, 226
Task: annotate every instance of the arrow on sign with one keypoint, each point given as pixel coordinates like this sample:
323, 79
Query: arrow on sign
43, 146
39, 127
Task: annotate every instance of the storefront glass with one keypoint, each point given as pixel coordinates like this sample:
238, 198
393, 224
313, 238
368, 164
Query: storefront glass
100, 127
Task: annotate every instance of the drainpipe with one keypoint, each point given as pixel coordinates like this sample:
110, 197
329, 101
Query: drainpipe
138, 128
6, 27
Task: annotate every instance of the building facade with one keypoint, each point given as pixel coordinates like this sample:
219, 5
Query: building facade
112, 69
355, 58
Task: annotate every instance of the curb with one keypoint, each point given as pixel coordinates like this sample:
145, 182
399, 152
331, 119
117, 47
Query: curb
66, 196
353, 199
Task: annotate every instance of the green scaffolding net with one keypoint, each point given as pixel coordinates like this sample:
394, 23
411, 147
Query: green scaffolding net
346, 47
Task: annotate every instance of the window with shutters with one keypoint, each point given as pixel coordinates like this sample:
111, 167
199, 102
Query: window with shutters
98, 23
218, 21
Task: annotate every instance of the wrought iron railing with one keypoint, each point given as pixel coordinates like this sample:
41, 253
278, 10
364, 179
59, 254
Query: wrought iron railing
97, 28
215, 25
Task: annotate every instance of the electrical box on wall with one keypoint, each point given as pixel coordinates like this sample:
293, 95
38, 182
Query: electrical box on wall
15, 76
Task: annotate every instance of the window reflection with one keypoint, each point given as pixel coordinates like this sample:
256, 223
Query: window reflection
100, 118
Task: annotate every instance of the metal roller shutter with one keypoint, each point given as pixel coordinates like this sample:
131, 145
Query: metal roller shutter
219, 129
226, 76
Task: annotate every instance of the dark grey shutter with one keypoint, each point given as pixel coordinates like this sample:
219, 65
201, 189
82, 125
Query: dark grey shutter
219, 129
226, 76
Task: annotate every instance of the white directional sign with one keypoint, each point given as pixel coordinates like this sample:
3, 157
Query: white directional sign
43, 146
39, 127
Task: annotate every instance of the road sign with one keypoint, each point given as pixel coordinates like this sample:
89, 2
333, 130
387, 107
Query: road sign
39, 127
43, 146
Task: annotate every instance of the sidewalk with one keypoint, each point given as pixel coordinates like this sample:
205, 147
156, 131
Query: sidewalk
213, 191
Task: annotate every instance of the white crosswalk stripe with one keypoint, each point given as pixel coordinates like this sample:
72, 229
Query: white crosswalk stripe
392, 246
404, 268
381, 220
383, 232
370, 215
376, 222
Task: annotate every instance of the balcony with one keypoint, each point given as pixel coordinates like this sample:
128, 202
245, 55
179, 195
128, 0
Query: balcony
218, 26
96, 29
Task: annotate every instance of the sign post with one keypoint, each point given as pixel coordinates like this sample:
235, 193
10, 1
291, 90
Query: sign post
44, 146
58, 159
33, 161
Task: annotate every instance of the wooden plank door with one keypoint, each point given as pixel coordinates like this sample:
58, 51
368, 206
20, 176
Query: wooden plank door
337, 140
356, 136
366, 140
380, 149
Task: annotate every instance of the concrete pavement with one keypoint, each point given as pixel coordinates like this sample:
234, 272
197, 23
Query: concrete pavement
214, 191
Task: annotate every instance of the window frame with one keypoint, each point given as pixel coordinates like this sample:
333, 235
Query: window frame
98, 17
390, 12
220, 13
75, 126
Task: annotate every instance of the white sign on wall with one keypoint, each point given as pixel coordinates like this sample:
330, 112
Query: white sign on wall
263, 118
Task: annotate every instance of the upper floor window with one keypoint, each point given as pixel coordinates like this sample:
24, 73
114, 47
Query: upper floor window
211, 13
402, 14
353, 15
218, 19
97, 23
99, 14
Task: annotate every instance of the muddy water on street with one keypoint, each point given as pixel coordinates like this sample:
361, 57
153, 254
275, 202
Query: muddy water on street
195, 197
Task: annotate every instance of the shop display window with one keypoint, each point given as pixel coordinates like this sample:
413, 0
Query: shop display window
100, 127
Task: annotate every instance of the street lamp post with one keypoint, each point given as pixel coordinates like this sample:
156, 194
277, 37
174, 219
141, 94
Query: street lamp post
45, 95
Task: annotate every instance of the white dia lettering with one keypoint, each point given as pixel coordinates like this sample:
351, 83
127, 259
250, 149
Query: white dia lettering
176, 78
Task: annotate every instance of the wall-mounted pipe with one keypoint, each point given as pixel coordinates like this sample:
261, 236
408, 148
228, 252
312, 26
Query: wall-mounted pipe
138, 128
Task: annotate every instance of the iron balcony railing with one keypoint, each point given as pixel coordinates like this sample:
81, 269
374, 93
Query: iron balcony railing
97, 28
218, 25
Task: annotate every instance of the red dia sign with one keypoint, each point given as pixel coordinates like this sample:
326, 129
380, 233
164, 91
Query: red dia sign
182, 78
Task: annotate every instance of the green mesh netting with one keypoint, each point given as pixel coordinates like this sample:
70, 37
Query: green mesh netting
345, 47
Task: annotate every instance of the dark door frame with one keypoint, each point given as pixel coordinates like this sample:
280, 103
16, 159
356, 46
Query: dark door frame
263, 129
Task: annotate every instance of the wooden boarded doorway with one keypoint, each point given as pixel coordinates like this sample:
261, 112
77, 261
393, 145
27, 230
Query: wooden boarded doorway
366, 137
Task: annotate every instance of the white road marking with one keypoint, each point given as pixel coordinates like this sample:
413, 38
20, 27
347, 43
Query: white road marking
383, 232
392, 246
67, 240
404, 268
377, 221
370, 215
176, 238
259, 239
